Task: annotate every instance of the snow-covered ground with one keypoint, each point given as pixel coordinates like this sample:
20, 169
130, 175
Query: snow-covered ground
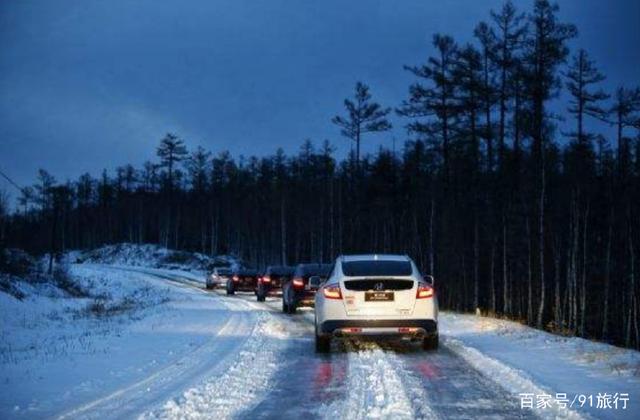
151, 343
527, 360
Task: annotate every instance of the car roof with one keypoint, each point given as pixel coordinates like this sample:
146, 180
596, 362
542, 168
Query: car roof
374, 257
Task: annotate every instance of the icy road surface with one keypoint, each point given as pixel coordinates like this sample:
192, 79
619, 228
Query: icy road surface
201, 354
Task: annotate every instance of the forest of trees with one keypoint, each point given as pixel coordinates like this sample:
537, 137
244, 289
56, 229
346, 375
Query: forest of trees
509, 213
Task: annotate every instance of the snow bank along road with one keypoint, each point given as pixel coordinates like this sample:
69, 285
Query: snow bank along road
205, 355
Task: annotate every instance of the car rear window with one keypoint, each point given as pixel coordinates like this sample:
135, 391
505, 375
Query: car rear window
280, 271
376, 268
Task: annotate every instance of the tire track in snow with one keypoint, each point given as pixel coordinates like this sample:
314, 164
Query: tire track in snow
379, 387
510, 379
211, 356
241, 386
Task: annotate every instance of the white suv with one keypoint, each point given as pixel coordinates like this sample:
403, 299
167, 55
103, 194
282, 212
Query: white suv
376, 295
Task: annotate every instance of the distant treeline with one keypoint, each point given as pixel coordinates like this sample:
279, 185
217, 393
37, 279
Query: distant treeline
509, 214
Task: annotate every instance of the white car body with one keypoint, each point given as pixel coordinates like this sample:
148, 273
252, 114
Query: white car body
379, 295
218, 277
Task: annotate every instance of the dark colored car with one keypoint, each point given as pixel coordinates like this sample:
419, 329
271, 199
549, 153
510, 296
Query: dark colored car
242, 280
272, 281
299, 291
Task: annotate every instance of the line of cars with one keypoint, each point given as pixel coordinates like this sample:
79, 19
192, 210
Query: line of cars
292, 284
373, 295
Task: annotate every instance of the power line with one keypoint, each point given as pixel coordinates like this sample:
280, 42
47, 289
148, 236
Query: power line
5, 176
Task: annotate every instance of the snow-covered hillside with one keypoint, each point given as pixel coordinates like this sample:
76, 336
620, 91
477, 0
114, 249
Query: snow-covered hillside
148, 255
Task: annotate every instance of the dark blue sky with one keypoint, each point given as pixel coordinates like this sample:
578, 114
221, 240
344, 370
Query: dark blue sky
92, 84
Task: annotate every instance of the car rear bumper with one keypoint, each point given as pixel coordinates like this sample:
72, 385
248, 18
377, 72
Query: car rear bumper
306, 298
274, 292
402, 327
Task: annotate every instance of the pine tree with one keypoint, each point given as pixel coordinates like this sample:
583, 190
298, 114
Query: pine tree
510, 33
436, 100
363, 116
171, 151
584, 101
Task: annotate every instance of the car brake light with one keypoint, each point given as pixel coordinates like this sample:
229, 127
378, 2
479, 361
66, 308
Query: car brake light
266, 279
236, 278
424, 291
352, 330
332, 292
297, 282
407, 330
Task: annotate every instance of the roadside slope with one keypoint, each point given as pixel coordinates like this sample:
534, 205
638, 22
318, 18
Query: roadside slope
527, 360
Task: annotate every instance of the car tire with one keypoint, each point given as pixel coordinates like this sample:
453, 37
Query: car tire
285, 308
208, 286
323, 344
430, 342
260, 297
292, 308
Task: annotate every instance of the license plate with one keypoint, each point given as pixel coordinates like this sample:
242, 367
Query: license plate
378, 296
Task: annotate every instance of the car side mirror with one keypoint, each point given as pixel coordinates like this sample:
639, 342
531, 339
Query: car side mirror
314, 282
429, 278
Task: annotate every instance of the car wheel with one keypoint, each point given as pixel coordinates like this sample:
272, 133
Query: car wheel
285, 308
430, 342
323, 343
292, 308
209, 286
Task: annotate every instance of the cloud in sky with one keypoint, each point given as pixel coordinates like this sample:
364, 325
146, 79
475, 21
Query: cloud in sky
88, 85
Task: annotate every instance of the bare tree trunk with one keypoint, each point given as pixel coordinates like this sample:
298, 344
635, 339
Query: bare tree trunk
431, 241
529, 276
332, 228
583, 286
492, 284
541, 244
607, 280
558, 318
506, 305
574, 267
476, 257
632, 291
283, 232
177, 229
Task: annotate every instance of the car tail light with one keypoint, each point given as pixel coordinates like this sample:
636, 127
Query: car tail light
424, 291
298, 282
266, 279
332, 292
407, 330
236, 278
352, 330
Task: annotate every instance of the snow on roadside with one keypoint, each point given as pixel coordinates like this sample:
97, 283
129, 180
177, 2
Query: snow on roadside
57, 344
241, 386
525, 360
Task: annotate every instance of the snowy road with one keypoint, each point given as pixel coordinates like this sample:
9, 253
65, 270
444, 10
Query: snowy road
260, 363
376, 380
207, 355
